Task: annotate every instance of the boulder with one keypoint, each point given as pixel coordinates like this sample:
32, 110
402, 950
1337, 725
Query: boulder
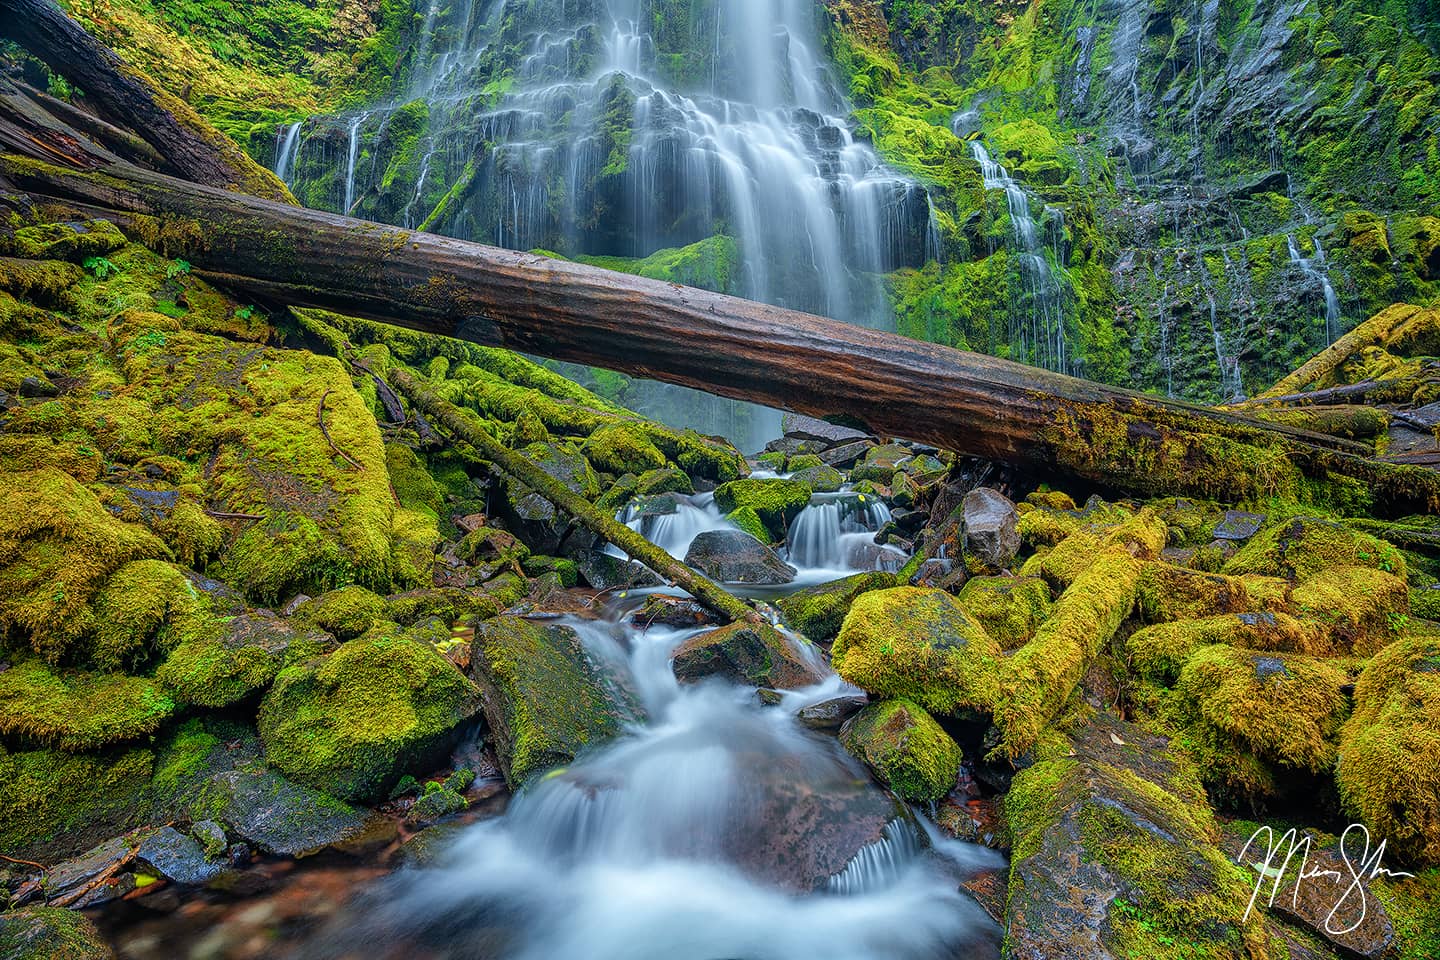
777, 502
178, 857
353, 722
545, 700
818, 611
734, 556
51, 933
1302, 547
1238, 525
238, 660
921, 645
530, 516
747, 654
1009, 608
76, 710
830, 714
821, 479
905, 748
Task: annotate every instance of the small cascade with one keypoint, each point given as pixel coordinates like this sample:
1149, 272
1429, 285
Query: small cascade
352, 153
285, 153
1043, 343
836, 532
1314, 268
879, 864
674, 532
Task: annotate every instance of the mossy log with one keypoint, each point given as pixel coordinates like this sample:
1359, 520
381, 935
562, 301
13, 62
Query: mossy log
187, 144
1378, 329
973, 404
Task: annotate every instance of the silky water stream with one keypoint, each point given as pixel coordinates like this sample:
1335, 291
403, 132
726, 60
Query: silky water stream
715, 828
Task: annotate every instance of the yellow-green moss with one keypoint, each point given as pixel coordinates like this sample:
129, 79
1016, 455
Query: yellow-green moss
347, 612
1010, 608
1303, 546
621, 448
920, 645
908, 751
818, 612
146, 605
352, 722
67, 241
1363, 608
74, 710
748, 520
1166, 592
664, 480
777, 502
1389, 758
50, 797
414, 487
1159, 652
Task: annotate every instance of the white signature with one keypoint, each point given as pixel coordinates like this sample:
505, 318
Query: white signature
1362, 869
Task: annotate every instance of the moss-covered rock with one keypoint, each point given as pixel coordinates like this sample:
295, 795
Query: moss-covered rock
1159, 652
622, 448
51, 933
1009, 608
907, 750
734, 556
921, 645
353, 722
78, 711
347, 612
1389, 759
147, 605
54, 803
74, 241
760, 656
544, 699
1304, 546
818, 612
777, 502
821, 478
58, 546
236, 658
1359, 608
663, 480
414, 487
1166, 592
747, 520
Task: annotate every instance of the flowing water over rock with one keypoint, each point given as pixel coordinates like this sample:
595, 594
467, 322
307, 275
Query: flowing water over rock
601, 129
1314, 270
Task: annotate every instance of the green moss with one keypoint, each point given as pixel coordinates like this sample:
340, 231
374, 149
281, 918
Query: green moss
145, 606
748, 520
1166, 592
51, 933
414, 487
51, 799
1159, 652
711, 264
1389, 758
1303, 546
777, 502
347, 612
565, 570
1040, 678
908, 751
1360, 608
818, 612
76, 711
352, 722
921, 645
622, 449
1009, 608
67, 241
58, 546
666, 480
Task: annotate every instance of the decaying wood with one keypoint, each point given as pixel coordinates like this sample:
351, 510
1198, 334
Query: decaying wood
467, 428
122, 142
973, 404
188, 145
1374, 331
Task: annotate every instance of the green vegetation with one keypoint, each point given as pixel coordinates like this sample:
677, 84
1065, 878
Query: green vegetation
905, 747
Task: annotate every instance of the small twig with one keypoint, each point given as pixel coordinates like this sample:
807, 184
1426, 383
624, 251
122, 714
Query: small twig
223, 515
28, 863
320, 416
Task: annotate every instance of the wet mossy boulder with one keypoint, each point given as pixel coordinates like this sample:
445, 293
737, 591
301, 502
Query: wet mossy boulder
818, 612
1009, 608
145, 606
622, 448
1302, 547
1389, 759
1285, 710
921, 645
237, 658
821, 478
663, 480
1159, 652
54, 804
734, 556
907, 750
51, 933
879, 463
1359, 609
530, 516
347, 612
74, 240
545, 699
777, 502
749, 521
55, 533
1114, 847
77, 710
745, 653
1167, 592
353, 722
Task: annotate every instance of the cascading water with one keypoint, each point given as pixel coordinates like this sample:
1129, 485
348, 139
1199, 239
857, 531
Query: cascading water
601, 129
718, 828
286, 150
1043, 343
1314, 269
836, 533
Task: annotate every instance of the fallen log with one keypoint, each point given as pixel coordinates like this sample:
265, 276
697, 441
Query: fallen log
188, 146
890, 385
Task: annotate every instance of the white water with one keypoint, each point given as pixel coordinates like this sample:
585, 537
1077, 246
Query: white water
1314, 269
667, 845
1044, 342
287, 150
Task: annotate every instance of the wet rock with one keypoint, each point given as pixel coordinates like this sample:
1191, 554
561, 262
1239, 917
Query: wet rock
768, 697
533, 518
991, 537
604, 571
281, 818
66, 879
745, 653
435, 803
210, 835
830, 714
50, 933
545, 700
671, 611
905, 748
818, 611
822, 479
846, 455
353, 722
238, 660
777, 502
1238, 525
736, 557
879, 463
178, 857
31, 387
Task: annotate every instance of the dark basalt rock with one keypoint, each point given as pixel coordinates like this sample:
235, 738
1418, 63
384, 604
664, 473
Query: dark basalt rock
744, 653
736, 557
991, 536
178, 857
1239, 525
830, 714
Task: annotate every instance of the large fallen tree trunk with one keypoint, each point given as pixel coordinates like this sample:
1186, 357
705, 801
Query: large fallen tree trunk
966, 402
187, 145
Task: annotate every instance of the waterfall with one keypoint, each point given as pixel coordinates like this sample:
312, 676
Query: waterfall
1044, 343
836, 532
589, 132
286, 151
1314, 269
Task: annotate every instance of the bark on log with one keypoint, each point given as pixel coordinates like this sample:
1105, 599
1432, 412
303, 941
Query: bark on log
1373, 331
190, 147
890, 385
